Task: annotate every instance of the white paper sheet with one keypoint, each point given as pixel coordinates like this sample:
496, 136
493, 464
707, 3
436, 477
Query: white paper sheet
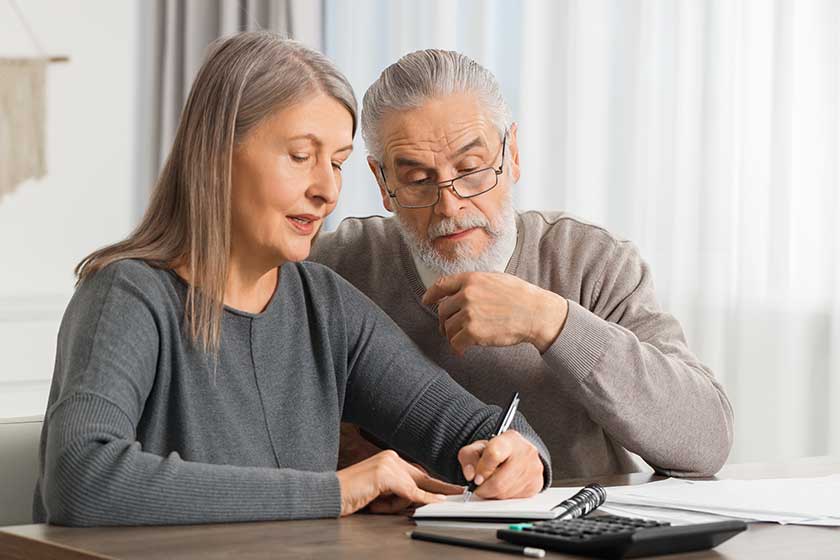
805, 501
672, 516
812, 501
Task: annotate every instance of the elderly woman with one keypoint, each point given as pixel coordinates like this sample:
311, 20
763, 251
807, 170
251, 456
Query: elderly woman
202, 370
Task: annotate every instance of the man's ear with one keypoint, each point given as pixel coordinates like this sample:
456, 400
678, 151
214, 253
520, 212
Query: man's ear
513, 146
380, 182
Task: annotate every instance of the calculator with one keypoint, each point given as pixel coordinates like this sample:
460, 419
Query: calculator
613, 536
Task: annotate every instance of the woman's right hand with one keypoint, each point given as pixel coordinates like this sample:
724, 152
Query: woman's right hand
387, 475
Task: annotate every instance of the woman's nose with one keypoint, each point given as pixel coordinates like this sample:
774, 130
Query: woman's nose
326, 183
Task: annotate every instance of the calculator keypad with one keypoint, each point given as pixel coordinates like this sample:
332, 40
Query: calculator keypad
611, 536
582, 529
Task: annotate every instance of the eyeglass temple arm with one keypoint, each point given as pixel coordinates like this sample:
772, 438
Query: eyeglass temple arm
385, 182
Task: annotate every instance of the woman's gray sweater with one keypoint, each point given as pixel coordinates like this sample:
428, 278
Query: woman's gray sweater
142, 428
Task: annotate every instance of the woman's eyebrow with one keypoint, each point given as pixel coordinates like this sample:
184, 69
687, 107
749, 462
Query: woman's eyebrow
311, 137
317, 141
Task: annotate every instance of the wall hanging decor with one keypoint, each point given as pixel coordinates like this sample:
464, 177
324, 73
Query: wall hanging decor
23, 113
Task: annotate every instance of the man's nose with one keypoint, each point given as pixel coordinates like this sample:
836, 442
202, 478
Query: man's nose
449, 203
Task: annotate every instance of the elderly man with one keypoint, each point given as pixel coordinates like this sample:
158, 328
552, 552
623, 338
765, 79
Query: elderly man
536, 302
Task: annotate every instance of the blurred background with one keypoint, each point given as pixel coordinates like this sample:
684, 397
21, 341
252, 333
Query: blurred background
708, 132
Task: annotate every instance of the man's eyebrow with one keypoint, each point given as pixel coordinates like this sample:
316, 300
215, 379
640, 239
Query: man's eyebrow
476, 143
408, 162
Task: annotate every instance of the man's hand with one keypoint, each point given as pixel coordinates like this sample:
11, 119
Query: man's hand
496, 309
507, 466
394, 481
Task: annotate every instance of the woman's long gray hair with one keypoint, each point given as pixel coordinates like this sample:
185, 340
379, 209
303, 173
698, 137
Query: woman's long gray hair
244, 79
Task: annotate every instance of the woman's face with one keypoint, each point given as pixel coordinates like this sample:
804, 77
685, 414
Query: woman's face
286, 179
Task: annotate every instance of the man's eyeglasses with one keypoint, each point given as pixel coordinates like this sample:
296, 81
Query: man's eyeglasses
422, 194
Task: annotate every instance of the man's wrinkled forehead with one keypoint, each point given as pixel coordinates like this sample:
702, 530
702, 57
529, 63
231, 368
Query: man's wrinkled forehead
442, 126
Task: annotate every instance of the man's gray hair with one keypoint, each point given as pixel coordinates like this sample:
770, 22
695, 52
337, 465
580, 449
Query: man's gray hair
422, 75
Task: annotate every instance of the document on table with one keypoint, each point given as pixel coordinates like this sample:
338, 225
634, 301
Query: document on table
806, 501
803, 501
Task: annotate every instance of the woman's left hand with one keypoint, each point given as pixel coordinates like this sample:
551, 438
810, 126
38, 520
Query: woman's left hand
507, 466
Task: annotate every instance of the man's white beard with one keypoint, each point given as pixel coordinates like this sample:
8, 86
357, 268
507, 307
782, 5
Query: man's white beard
494, 257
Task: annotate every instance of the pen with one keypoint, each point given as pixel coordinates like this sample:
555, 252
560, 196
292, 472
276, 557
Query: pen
498, 547
502, 425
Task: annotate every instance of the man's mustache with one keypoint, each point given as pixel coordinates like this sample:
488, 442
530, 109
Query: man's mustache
448, 226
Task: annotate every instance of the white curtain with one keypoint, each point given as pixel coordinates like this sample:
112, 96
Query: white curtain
708, 132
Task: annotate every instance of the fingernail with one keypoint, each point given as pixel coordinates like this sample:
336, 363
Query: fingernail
479, 479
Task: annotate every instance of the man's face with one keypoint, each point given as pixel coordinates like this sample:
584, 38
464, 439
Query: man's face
444, 138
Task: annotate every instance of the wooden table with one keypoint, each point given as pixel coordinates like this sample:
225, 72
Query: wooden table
381, 536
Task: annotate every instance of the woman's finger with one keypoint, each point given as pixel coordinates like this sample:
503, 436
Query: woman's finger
519, 476
389, 504
437, 486
469, 455
497, 452
507, 481
420, 496
405, 486
429, 483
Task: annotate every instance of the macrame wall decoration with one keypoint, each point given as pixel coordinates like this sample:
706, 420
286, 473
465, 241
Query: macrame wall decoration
23, 114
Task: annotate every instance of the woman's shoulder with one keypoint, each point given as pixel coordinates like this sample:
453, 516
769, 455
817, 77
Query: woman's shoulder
129, 279
128, 271
127, 296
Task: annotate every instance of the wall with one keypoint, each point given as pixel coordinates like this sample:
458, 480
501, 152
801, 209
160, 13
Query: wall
86, 200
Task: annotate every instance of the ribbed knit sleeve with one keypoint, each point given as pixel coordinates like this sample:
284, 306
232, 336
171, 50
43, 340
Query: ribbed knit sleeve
629, 364
95, 470
98, 475
397, 394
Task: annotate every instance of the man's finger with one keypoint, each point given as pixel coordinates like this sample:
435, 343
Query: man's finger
448, 307
462, 340
443, 286
454, 323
